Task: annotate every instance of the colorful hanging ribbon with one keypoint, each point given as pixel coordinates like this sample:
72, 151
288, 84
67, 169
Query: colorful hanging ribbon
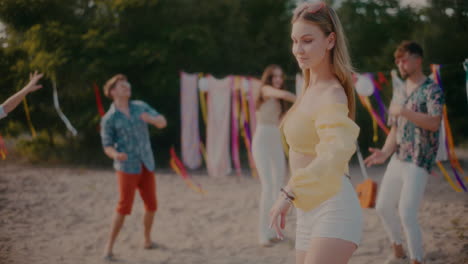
366, 103
376, 85
234, 125
203, 150
451, 151
375, 136
59, 111
367, 86
465, 66
451, 148
253, 121
381, 106
245, 108
178, 167
381, 78
99, 104
454, 170
449, 137
435, 68
28, 118
203, 107
3, 149
447, 177
203, 93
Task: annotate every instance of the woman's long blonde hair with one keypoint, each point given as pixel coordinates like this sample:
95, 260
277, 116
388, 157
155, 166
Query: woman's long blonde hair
327, 20
267, 79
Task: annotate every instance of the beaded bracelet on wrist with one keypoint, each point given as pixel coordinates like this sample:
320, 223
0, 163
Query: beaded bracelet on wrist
290, 197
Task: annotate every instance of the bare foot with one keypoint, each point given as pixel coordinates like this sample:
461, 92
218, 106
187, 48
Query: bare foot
151, 245
275, 240
266, 244
109, 256
398, 251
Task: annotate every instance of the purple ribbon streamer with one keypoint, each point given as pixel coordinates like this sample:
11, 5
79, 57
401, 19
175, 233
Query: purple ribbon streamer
235, 130
457, 176
378, 98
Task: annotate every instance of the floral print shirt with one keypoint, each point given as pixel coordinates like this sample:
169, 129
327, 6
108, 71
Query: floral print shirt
416, 144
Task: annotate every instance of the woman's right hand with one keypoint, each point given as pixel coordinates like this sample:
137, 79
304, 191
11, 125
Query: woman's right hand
278, 214
33, 79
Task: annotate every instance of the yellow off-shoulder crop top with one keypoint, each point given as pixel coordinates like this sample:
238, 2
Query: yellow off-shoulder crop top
330, 135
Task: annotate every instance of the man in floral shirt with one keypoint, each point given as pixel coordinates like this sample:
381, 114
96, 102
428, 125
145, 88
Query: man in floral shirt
125, 138
414, 140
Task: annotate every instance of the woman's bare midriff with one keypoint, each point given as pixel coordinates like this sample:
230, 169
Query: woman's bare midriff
299, 160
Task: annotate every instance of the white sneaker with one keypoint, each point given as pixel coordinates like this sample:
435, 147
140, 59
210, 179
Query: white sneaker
394, 260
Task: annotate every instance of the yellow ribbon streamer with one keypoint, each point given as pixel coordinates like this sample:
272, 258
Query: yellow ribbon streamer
451, 148
375, 138
244, 103
28, 118
365, 101
187, 181
3, 150
447, 177
203, 106
203, 150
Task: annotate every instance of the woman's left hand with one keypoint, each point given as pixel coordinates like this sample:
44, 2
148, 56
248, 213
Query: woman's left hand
279, 210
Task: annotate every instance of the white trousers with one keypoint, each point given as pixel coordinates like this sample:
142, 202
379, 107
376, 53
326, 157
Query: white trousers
269, 159
401, 193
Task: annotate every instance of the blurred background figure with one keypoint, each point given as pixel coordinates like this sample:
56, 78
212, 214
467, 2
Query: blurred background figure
267, 145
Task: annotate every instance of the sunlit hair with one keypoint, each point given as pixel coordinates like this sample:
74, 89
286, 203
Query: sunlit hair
267, 79
327, 20
110, 84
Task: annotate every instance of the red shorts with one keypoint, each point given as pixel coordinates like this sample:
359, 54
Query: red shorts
145, 182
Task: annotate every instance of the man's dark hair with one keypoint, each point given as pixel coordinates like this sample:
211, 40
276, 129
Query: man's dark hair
411, 47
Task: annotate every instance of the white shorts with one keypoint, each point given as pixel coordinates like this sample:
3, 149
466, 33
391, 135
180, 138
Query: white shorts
337, 217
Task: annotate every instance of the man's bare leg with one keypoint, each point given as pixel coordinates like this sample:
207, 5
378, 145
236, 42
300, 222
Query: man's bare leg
148, 223
116, 226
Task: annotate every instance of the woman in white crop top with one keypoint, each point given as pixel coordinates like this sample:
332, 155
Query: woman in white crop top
267, 148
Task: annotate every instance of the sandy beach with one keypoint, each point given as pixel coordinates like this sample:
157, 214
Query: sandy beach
62, 215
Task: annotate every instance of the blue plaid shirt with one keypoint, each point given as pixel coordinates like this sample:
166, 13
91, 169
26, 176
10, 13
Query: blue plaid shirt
129, 135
